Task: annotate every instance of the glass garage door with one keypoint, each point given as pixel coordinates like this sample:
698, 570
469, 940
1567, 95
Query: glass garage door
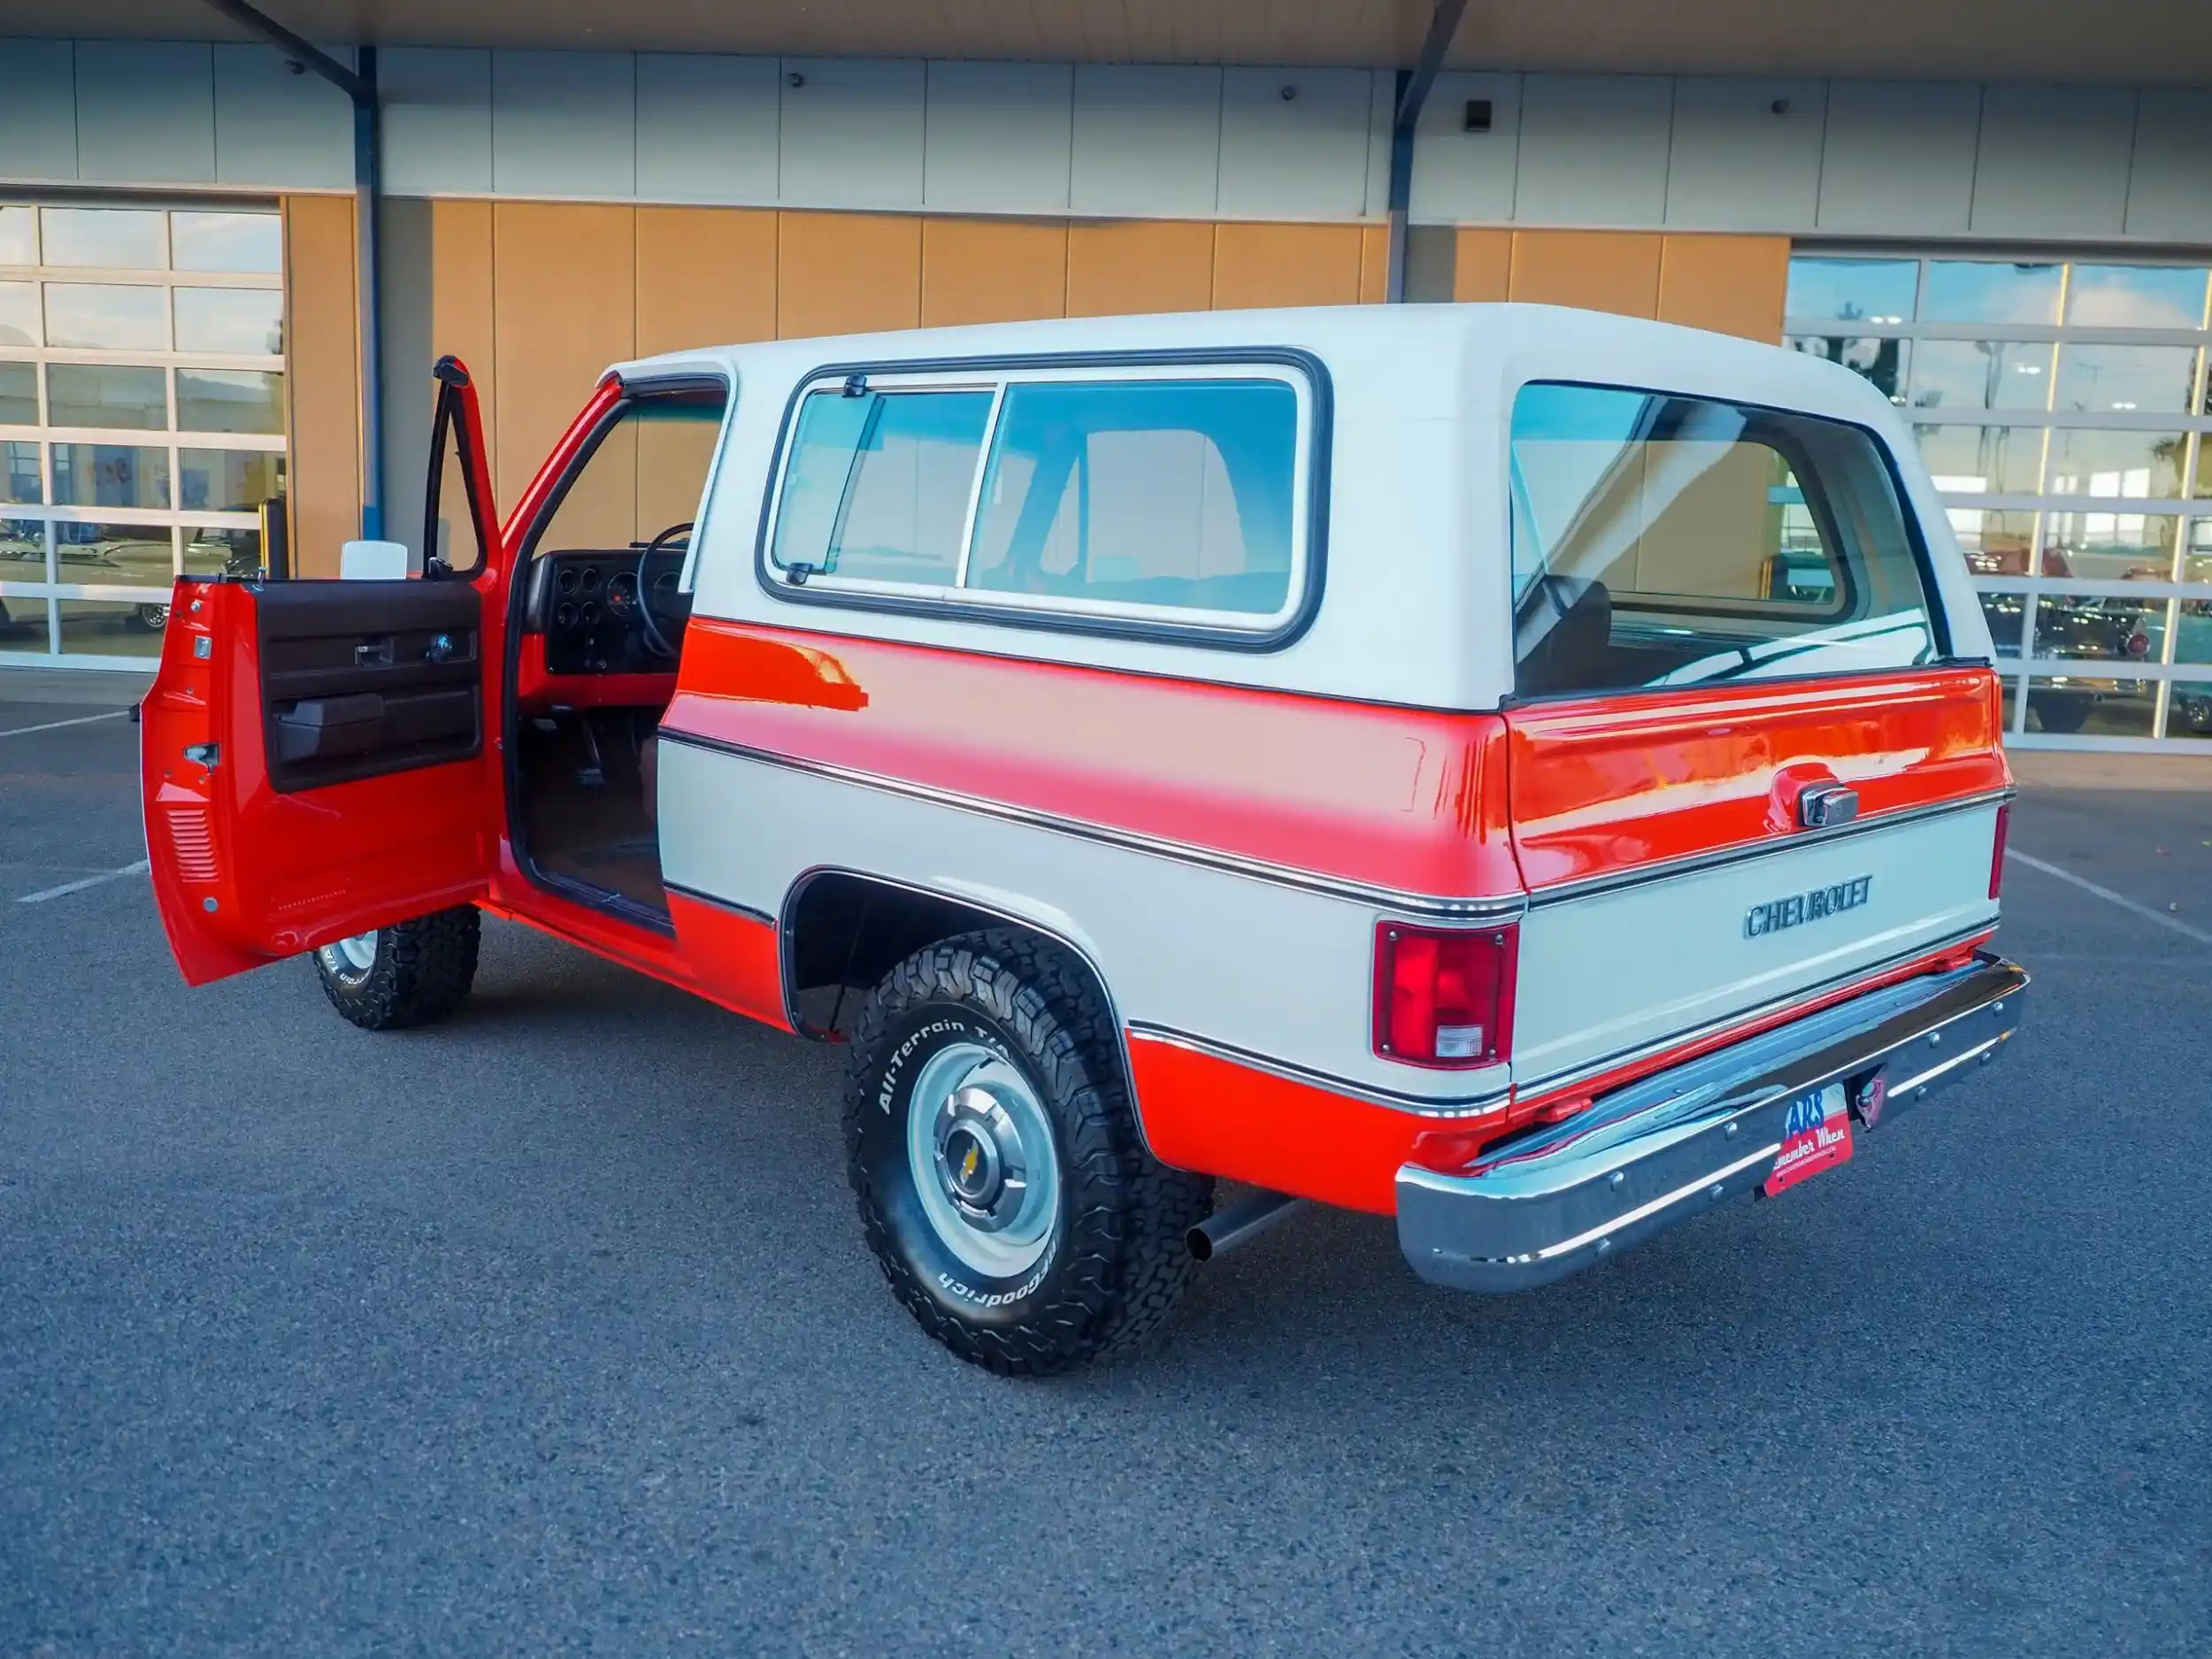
2061, 407
141, 416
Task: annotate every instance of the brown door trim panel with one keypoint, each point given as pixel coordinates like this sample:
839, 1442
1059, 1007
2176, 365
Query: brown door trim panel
360, 679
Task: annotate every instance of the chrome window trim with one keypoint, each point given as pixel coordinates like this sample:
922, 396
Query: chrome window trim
1306, 376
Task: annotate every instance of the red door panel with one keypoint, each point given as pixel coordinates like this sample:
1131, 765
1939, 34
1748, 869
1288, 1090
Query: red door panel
319, 759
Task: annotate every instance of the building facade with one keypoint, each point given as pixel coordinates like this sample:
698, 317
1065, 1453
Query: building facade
2025, 267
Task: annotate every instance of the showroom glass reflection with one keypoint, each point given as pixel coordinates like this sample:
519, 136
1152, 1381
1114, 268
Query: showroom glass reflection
141, 414
2062, 408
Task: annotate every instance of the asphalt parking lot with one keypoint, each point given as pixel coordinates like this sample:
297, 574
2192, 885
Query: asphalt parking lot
551, 1330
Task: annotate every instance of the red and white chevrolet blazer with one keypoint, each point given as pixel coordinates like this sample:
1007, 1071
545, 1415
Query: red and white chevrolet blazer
1532, 773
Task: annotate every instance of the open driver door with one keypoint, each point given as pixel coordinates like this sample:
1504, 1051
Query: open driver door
320, 757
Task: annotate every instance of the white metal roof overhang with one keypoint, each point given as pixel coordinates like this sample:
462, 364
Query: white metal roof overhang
2147, 41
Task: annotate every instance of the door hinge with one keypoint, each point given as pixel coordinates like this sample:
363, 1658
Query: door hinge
207, 755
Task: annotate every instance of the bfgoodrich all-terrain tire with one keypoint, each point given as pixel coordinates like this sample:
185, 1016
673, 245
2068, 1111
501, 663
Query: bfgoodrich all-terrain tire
994, 1148
412, 973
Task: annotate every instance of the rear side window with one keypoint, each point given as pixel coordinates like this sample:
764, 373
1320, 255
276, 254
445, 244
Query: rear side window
1134, 495
1163, 493
1667, 540
878, 485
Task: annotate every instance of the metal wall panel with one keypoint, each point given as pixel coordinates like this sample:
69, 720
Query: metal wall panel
437, 121
2170, 185
1304, 155
852, 132
707, 128
145, 112
2052, 161
38, 117
1594, 150
274, 127
997, 138
564, 124
1464, 176
1146, 140
1746, 154
1900, 156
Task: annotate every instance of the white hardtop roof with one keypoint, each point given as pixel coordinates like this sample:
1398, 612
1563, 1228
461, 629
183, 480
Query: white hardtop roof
1401, 352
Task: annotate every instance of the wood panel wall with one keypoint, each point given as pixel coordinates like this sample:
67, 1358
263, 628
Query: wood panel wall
1733, 285
538, 297
322, 380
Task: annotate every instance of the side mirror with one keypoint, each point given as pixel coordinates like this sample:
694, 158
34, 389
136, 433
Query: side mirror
372, 562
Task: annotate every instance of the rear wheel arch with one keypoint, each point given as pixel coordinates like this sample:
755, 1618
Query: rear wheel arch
849, 927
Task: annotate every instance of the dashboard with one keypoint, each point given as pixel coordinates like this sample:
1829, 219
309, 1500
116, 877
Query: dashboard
590, 606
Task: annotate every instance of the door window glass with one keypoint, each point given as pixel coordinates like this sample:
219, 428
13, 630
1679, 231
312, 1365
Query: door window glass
105, 395
168, 442
19, 236
229, 399
227, 241
18, 395
1979, 291
111, 475
1167, 493
450, 532
106, 316
1968, 375
1881, 359
1660, 540
2136, 297
878, 485
18, 314
1853, 290
112, 238
246, 321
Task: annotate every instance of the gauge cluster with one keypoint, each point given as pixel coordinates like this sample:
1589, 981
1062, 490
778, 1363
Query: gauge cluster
591, 609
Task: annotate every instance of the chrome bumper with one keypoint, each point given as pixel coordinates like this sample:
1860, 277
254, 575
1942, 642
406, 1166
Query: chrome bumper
1669, 1147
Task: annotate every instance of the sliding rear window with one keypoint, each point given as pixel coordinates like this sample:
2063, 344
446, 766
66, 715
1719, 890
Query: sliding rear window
1667, 540
1174, 498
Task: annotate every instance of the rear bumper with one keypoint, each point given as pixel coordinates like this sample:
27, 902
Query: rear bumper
1671, 1146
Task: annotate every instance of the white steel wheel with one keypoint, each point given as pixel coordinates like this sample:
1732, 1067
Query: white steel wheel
350, 959
981, 1150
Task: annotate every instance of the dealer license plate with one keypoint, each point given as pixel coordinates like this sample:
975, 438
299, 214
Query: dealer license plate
1815, 1136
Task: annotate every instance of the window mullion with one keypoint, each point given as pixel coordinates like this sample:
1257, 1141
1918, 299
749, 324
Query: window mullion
975, 486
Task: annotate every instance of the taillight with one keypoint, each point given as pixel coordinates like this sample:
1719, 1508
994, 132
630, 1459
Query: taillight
1444, 997
1997, 853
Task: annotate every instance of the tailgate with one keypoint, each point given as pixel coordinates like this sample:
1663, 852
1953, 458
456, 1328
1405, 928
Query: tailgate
1674, 885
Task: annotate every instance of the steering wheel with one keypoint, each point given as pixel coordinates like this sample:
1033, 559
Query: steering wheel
656, 642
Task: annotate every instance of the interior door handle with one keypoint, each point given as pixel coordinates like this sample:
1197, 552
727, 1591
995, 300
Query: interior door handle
372, 653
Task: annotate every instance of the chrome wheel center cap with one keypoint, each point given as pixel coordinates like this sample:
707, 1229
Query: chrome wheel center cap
980, 1164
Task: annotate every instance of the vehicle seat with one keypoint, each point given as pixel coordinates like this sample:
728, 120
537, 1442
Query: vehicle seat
1564, 637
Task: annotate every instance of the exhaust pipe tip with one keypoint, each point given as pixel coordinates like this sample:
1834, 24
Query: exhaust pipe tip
1241, 1222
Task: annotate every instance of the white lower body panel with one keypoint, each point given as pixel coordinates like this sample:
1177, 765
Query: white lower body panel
1248, 965
1608, 974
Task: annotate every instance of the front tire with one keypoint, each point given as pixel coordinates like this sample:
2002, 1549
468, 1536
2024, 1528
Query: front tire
994, 1148
412, 973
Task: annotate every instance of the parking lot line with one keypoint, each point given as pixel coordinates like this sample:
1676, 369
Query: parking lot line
2110, 897
82, 882
55, 726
